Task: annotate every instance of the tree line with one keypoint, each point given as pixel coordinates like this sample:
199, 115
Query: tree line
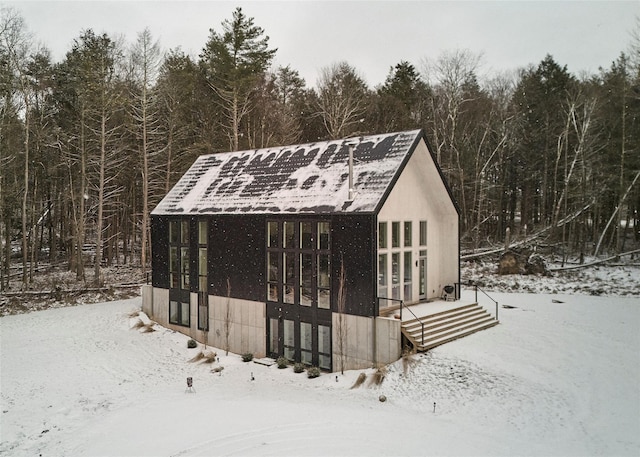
90, 144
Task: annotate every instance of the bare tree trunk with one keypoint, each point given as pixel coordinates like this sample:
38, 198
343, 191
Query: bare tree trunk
615, 213
227, 319
80, 217
25, 198
341, 331
100, 223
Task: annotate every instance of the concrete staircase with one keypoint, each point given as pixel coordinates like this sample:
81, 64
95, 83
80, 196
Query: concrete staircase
444, 326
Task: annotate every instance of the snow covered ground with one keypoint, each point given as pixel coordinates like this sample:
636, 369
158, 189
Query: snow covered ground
559, 376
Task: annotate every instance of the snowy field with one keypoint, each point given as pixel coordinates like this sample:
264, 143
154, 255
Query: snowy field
552, 379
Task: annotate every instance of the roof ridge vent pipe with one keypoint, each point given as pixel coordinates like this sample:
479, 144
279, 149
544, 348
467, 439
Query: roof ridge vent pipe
350, 172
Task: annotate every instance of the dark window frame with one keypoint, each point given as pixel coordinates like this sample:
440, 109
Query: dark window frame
315, 246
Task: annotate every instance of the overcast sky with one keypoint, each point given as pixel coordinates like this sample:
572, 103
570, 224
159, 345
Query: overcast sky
370, 35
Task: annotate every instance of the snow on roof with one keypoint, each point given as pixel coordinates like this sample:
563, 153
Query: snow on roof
307, 178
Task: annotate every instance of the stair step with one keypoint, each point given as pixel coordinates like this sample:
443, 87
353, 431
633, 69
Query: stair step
435, 323
442, 314
444, 332
455, 336
448, 325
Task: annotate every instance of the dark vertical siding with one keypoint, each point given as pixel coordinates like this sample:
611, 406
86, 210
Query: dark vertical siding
237, 251
353, 238
160, 251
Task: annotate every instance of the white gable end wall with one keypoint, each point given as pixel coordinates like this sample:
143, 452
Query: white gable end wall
419, 195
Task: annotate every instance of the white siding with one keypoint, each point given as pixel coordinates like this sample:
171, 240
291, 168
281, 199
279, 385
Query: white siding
419, 194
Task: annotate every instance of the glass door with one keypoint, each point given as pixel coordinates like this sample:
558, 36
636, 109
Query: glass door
422, 262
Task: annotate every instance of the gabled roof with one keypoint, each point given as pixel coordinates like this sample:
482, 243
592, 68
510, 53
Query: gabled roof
308, 178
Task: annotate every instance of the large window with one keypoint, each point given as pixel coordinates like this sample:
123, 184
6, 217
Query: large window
179, 255
203, 290
299, 295
179, 313
179, 277
299, 269
397, 260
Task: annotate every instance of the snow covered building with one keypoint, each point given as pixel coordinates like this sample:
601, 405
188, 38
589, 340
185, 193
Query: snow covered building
304, 251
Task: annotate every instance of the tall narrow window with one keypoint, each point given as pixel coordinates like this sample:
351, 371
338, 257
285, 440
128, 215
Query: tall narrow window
323, 235
306, 279
174, 268
179, 273
382, 235
174, 232
395, 275
177, 267
184, 232
422, 274
274, 342
306, 235
202, 233
289, 339
272, 276
306, 338
382, 276
184, 268
324, 347
407, 233
289, 277
324, 281
273, 236
289, 233
408, 268
423, 233
395, 234
203, 293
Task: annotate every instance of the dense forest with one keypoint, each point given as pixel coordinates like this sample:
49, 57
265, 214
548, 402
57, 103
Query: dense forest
89, 145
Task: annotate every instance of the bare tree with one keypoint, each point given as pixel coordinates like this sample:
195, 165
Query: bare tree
227, 319
145, 60
343, 99
341, 324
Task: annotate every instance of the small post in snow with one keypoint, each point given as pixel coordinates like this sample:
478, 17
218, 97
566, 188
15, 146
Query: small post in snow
434, 407
190, 387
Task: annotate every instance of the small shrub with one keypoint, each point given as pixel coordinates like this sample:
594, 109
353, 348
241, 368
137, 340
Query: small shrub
196, 358
408, 362
313, 372
361, 378
247, 357
209, 356
298, 368
378, 376
191, 344
282, 362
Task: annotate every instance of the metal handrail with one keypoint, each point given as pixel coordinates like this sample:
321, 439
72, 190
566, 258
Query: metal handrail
477, 288
408, 309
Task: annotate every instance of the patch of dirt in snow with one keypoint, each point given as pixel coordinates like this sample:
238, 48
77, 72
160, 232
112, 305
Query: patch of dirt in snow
599, 280
455, 387
55, 287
